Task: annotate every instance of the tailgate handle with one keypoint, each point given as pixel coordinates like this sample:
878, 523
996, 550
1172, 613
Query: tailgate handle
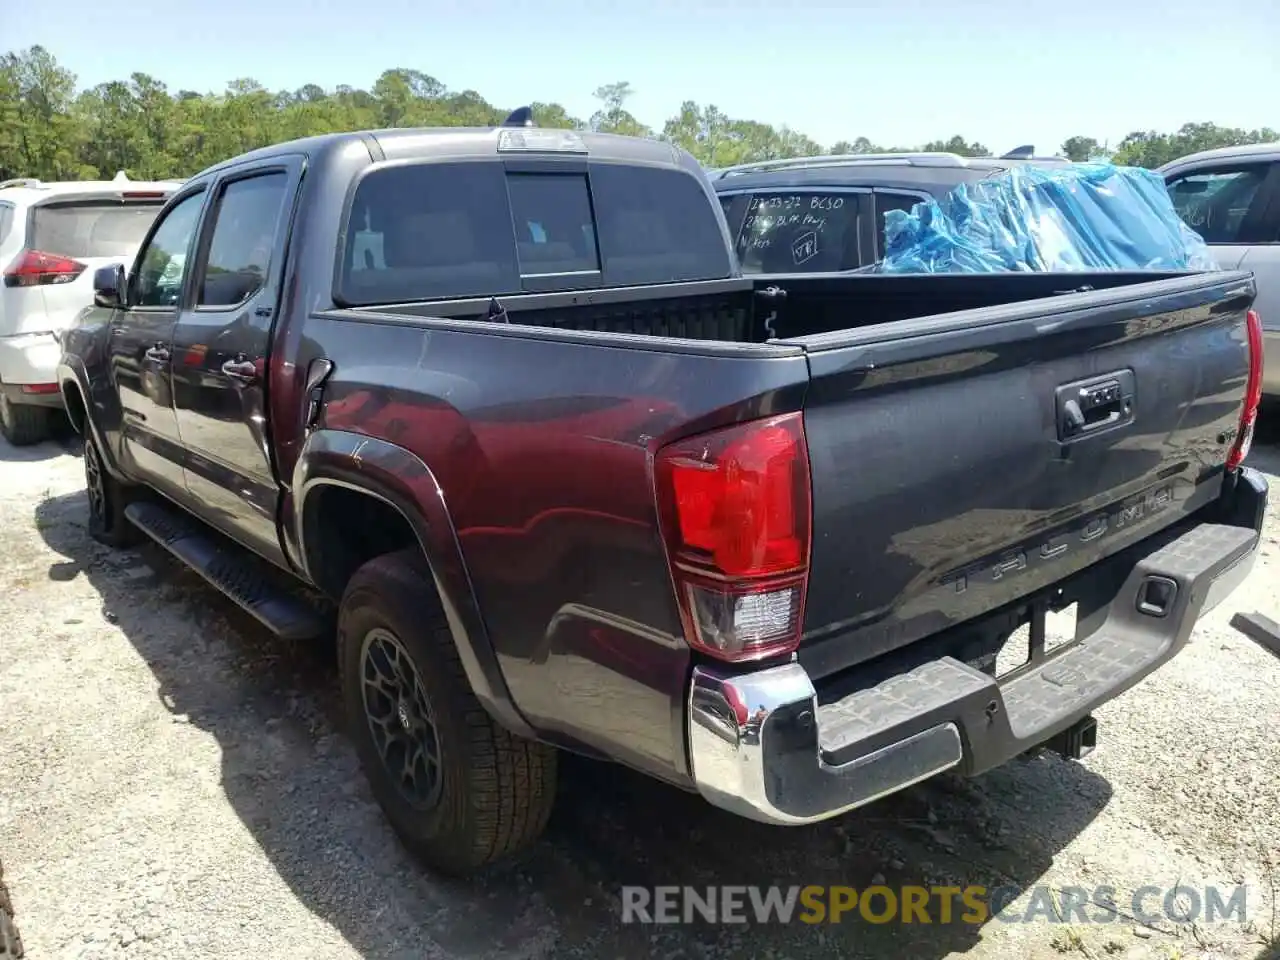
1088, 406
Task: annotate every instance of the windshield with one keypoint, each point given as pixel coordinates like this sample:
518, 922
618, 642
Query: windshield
91, 229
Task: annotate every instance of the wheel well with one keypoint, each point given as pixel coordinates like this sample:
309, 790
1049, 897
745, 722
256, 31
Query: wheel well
345, 529
74, 402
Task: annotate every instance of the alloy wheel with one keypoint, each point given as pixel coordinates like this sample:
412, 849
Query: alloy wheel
94, 481
401, 721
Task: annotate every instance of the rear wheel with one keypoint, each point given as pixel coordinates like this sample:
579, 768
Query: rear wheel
460, 790
107, 499
22, 423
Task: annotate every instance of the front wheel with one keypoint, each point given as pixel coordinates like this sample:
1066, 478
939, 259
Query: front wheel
460, 790
107, 499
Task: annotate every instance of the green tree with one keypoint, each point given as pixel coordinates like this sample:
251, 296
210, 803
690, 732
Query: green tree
50, 130
612, 117
43, 137
555, 116
1151, 149
857, 145
706, 133
1080, 149
958, 145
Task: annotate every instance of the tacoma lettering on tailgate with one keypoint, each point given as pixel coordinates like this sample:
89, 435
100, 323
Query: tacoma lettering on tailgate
1014, 562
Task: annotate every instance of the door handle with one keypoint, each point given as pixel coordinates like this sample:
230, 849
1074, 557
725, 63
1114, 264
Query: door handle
241, 370
157, 354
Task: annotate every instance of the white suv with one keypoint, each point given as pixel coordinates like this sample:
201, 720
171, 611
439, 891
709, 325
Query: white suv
52, 237
1231, 197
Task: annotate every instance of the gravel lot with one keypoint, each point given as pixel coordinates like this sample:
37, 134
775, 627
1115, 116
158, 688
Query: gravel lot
174, 785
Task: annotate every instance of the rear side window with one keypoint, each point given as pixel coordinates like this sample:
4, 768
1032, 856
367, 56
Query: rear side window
799, 233
884, 202
244, 234
91, 229
1217, 203
458, 230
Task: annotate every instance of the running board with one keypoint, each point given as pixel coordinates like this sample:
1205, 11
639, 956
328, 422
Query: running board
232, 569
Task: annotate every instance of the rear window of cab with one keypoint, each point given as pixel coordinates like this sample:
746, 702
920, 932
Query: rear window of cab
455, 230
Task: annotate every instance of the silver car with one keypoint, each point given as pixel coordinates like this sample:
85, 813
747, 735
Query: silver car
1231, 197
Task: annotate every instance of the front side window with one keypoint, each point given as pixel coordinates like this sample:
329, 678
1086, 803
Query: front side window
799, 233
244, 232
162, 263
1216, 203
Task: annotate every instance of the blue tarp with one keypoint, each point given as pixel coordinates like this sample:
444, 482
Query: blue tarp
1080, 216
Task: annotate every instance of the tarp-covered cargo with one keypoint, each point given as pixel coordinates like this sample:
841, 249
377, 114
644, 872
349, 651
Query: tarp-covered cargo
1074, 217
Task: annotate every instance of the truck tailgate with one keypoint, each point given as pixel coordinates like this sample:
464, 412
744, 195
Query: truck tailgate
962, 461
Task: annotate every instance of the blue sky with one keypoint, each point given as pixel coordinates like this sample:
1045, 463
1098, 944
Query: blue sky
897, 71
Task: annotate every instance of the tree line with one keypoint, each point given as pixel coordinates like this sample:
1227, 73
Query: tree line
52, 130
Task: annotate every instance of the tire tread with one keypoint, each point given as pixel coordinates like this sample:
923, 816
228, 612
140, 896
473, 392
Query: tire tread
27, 424
510, 780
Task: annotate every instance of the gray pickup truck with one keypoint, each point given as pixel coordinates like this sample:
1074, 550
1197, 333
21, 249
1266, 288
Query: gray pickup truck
572, 481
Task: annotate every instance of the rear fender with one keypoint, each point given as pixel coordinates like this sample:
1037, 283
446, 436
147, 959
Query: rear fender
402, 481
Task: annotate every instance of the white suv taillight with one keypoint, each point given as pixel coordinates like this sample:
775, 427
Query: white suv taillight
736, 514
33, 268
1252, 393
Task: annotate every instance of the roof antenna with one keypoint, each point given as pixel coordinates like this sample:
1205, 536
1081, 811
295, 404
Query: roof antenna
120, 177
519, 117
1025, 152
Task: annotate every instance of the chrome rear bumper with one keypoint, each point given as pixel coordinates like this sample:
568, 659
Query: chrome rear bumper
762, 746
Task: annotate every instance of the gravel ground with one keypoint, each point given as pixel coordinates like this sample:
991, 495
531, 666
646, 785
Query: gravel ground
175, 786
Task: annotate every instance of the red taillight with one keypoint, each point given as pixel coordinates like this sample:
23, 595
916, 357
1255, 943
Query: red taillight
736, 514
32, 268
1252, 393
40, 388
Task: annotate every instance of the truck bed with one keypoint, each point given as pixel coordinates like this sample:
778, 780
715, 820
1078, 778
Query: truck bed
942, 486
731, 311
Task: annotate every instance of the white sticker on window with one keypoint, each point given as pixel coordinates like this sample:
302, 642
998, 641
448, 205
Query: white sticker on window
804, 248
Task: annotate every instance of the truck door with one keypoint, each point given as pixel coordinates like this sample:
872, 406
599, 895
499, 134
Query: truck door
220, 351
140, 345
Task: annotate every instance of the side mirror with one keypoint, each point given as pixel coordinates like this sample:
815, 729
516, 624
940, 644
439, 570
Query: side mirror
108, 286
